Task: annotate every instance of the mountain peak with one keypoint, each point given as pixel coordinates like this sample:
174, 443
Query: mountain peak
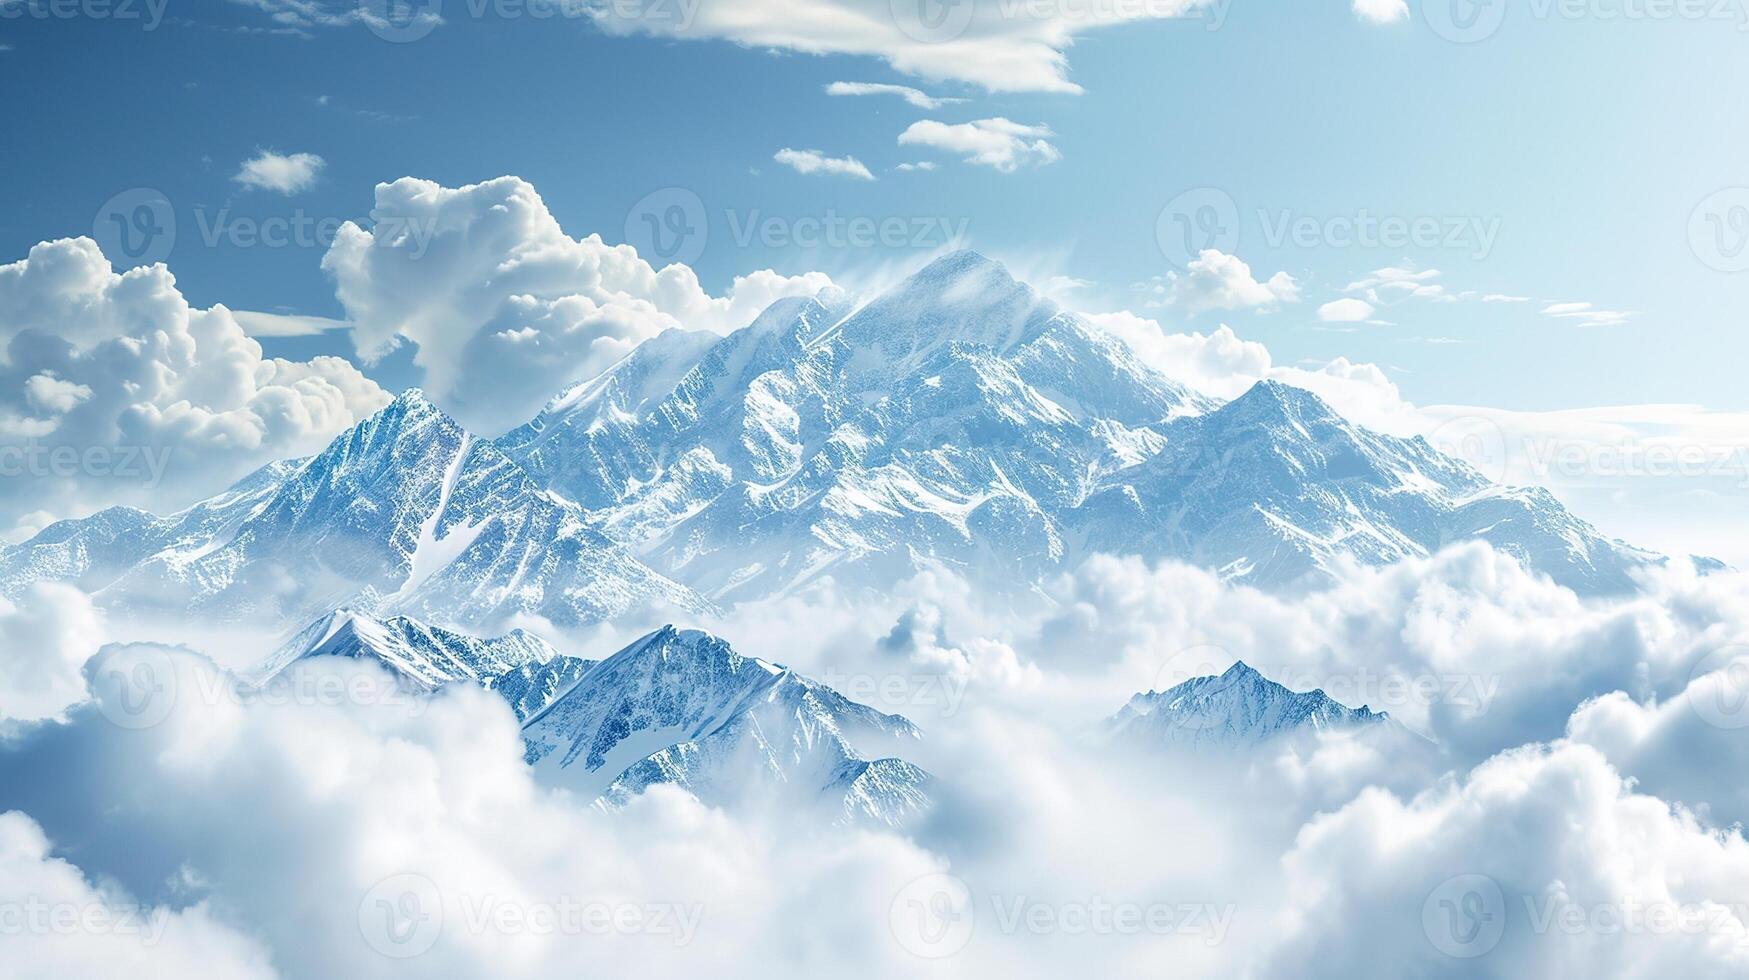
1274, 398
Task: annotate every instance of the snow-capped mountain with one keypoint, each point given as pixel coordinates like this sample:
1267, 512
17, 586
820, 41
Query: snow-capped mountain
521, 666
961, 418
682, 707
1236, 710
1276, 488
958, 419
405, 513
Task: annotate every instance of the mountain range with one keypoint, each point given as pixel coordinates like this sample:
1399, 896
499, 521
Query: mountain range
1239, 709
958, 420
677, 707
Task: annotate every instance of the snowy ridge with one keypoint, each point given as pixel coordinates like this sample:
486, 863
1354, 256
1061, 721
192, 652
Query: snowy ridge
1236, 710
404, 513
682, 707
426, 657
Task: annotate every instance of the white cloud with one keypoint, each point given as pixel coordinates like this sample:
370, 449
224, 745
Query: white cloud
1002, 48
506, 309
1568, 870
1587, 314
1381, 11
155, 403
998, 143
1346, 311
66, 926
272, 171
45, 639
815, 162
916, 97
924, 165
257, 324
1218, 281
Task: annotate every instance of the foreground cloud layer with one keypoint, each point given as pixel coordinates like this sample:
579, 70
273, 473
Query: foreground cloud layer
388, 833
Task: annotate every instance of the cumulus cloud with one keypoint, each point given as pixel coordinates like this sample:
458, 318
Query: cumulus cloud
1541, 860
1218, 281
1381, 11
912, 96
815, 162
282, 173
117, 391
1346, 311
999, 143
505, 307
45, 639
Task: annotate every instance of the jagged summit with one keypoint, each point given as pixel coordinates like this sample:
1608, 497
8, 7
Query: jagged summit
1239, 708
684, 707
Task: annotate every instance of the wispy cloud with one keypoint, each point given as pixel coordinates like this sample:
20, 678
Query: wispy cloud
815, 162
916, 97
1587, 314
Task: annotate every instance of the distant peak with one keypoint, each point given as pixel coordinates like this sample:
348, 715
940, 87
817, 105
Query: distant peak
1274, 397
413, 397
1241, 671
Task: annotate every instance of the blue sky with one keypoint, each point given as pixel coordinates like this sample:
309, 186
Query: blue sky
1580, 145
